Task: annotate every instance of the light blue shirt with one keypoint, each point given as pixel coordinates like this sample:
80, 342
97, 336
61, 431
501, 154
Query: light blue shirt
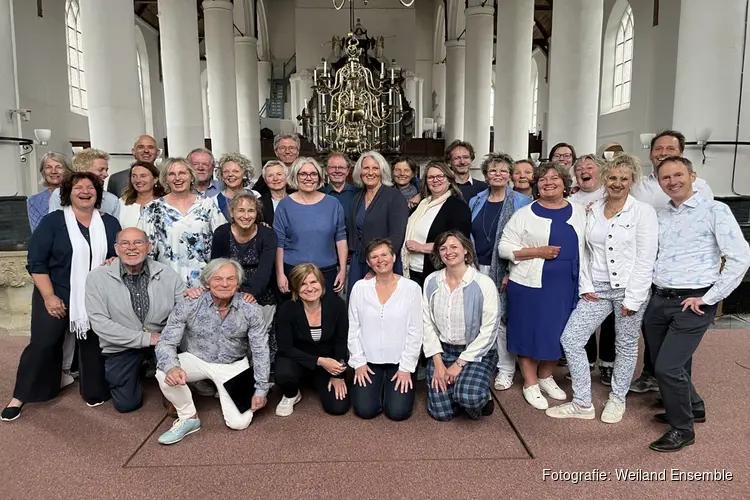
213, 189
692, 240
110, 203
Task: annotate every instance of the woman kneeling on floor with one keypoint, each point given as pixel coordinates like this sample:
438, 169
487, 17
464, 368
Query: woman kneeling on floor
621, 243
460, 314
385, 336
311, 332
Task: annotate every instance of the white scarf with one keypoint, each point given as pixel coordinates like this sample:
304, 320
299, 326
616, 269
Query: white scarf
411, 225
79, 267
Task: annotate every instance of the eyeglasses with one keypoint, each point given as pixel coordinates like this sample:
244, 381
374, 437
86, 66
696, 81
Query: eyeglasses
289, 149
498, 172
136, 243
567, 156
436, 178
307, 175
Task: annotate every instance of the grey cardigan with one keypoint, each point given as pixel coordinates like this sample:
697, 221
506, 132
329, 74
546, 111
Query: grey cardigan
111, 312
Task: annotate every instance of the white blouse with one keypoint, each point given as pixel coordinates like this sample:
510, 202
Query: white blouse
385, 333
129, 214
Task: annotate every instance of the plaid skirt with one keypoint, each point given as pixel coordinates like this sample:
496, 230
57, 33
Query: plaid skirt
469, 393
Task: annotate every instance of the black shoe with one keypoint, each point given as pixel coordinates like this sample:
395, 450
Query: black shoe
673, 440
605, 374
11, 413
488, 408
698, 417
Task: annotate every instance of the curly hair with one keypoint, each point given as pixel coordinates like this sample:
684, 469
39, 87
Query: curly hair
85, 159
626, 161
493, 158
242, 161
74, 178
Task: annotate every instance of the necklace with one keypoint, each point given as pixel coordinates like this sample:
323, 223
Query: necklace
487, 236
610, 212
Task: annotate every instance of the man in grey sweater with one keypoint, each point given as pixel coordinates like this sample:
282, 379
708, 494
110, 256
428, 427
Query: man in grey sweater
128, 303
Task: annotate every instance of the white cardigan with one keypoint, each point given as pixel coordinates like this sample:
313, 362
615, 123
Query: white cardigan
527, 230
630, 252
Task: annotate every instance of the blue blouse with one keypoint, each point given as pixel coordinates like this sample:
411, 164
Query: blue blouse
37, 206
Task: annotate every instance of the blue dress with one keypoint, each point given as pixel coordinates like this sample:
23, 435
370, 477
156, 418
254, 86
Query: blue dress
537, 316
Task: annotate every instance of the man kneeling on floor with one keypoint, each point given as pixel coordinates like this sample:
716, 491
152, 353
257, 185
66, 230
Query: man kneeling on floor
128, 303
213, 332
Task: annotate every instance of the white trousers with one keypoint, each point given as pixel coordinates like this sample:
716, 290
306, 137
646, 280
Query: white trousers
506, 362
196, 369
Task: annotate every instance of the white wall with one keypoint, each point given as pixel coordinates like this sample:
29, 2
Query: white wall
653, 80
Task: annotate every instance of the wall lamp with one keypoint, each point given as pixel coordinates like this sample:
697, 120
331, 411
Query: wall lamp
646, 140
702, 139
27, 145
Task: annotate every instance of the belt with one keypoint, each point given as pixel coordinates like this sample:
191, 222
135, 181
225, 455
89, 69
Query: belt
674, 293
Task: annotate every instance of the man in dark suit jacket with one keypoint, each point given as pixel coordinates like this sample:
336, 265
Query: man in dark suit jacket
459, 155
144, 149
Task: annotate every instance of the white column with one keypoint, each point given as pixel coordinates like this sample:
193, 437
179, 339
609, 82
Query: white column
11, 168
478, 85
218, 24
707, 91
513, 92
110, 62
180, 60
246, 61
455, 59
574, 73
420, 109
264, 83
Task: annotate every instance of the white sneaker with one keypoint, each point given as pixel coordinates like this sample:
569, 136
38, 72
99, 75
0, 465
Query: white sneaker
204, 388
65, 380
613, 411
571, 410
549, 386
534, 397
503, 381
286, 405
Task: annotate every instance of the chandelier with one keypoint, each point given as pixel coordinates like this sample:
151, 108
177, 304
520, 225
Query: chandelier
352, 110
405, 3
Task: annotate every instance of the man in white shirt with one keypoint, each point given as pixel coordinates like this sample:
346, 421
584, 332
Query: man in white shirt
689, 282
665, 144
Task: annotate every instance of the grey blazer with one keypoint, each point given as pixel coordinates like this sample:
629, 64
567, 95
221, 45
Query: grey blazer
118, 182
111, 312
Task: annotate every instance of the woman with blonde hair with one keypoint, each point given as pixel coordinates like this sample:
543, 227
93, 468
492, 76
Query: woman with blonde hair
181, 223
442, 209
311, 332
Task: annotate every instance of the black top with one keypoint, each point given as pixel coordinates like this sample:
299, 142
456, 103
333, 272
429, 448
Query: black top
295, 340
261, 187
118, 182
267, 208
50, 251
454, 214
256, 258
386, 217
469, 190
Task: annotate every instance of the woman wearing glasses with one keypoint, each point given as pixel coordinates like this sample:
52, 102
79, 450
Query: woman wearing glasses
490, 212
442, 208
564, 154
310, 228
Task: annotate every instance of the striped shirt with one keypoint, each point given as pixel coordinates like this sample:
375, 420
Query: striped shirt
316, 332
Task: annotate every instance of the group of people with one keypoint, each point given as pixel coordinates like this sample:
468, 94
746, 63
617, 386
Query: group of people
354, 278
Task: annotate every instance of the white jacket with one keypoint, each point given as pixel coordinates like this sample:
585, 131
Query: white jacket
631, 251
527, 230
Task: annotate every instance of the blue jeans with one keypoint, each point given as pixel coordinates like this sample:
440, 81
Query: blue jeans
380, 396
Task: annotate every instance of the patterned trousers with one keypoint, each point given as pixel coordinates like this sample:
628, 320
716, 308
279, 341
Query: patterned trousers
583, 322
469, 393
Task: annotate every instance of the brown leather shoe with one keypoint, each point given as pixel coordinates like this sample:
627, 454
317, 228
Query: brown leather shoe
171, 410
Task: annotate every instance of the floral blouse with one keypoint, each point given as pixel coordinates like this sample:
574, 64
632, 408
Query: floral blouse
182, 242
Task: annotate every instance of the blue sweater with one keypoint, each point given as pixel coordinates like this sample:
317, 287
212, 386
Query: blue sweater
308, 233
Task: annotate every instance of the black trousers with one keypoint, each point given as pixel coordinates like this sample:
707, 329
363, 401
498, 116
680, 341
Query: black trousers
418, 277
289, 375
123, 373
606, 347
40, 366
673, 336
379, 396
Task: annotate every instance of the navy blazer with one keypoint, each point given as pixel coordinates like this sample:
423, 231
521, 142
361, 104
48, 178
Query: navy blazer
386, 217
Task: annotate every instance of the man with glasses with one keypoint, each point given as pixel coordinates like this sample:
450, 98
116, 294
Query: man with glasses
337, 170
128, 303
286, 147
204, 164
459, 155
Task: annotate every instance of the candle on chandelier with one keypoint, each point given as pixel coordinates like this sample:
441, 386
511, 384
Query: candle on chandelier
392, 76
382, 70
315, 76
324, 67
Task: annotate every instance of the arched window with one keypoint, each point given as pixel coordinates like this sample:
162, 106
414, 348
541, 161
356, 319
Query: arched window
76, 77
534, 101
623, 59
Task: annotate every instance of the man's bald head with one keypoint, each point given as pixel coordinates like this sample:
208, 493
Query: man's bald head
144, 149
132, 233
132, 248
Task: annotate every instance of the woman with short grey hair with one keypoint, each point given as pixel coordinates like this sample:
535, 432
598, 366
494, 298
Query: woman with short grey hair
274, 174
310, 228
52, 166
544, 245
378, 211
235, 171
